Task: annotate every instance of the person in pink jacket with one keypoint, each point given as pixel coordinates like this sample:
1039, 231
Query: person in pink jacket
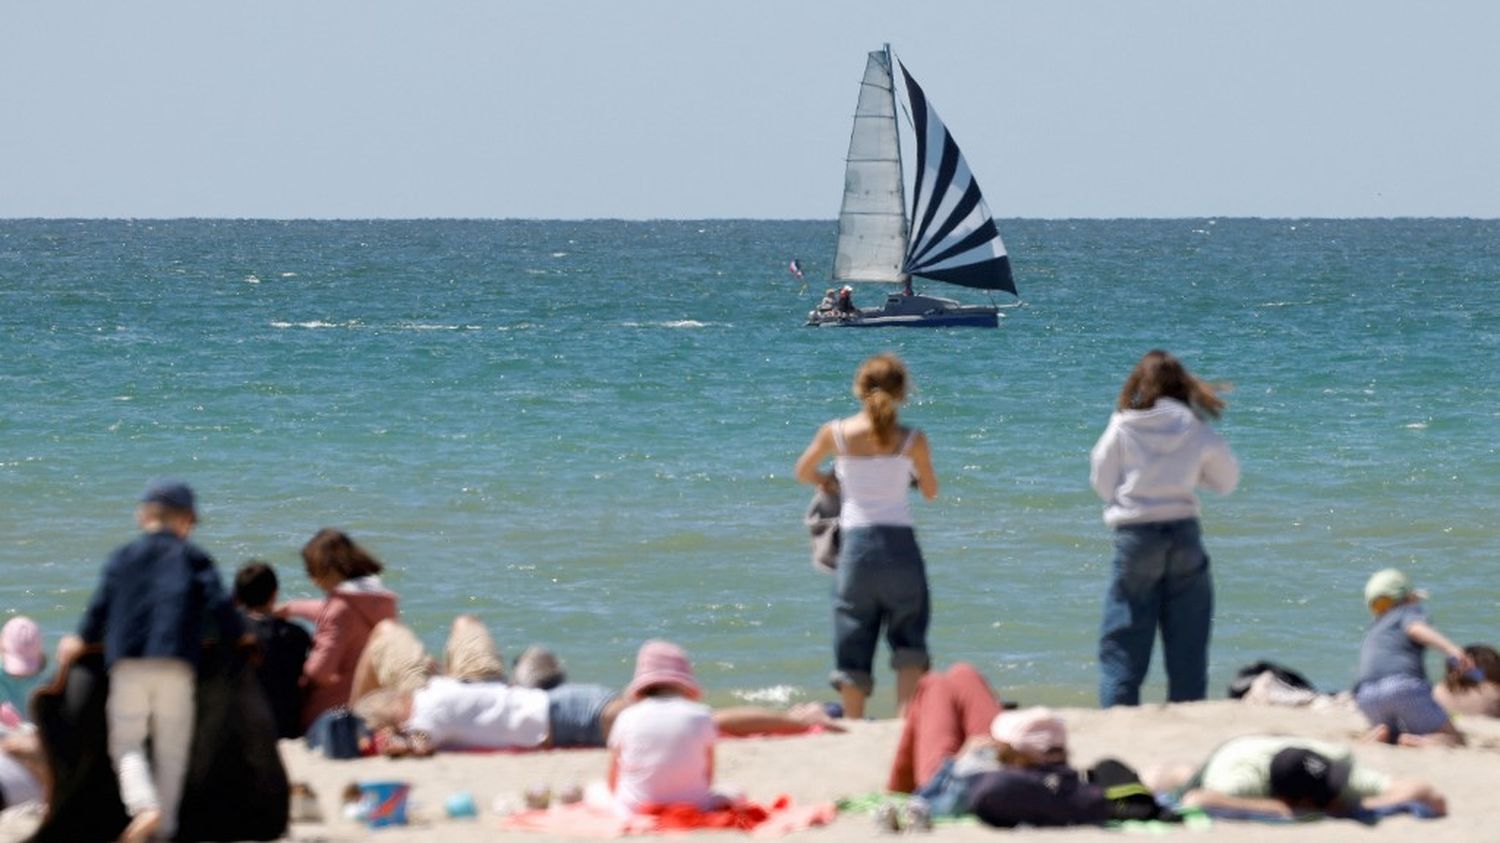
356, 602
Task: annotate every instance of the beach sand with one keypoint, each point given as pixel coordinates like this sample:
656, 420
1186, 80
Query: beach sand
819, 767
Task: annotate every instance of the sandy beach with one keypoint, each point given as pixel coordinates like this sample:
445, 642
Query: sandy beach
829, 766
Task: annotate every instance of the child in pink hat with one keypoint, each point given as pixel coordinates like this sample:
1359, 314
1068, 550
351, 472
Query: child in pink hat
661, 749
21, 663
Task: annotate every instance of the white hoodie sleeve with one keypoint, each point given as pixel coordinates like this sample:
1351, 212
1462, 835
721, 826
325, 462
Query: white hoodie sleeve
1221, 471
1105, 471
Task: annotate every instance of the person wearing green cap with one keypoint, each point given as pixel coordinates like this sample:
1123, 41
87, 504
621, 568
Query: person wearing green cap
1393, 692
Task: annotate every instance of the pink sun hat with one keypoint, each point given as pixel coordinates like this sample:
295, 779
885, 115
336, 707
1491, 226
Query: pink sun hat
1033, 732
663, 663
21, 647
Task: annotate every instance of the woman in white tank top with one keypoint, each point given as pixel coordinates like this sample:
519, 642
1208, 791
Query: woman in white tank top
881, 578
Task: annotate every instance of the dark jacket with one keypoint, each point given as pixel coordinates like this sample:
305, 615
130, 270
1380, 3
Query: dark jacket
283, 652
152, 599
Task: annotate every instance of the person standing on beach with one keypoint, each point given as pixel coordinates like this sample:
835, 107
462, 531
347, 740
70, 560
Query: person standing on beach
148, 612
881, 579
1155, 452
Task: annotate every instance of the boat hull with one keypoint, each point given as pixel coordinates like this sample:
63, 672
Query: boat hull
903, 311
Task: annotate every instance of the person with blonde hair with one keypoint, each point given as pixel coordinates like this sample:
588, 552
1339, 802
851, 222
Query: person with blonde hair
881, 578
1156, 451
1392, 691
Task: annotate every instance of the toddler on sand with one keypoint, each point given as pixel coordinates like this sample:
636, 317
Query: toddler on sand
1392, 691
661, 749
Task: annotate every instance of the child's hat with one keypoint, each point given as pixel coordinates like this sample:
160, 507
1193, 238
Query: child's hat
1390, 583
663, 663
173, 494
21, 646
1033, 732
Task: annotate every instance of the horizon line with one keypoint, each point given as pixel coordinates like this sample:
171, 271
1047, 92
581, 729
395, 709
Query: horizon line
1166, 218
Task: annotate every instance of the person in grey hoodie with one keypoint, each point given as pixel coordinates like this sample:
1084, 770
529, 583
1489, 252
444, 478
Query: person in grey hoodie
1156, 451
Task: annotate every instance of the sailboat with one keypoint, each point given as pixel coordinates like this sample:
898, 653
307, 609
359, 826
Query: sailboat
948, 236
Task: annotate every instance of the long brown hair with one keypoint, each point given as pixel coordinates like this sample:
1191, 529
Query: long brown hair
333, 552
880, 385
1160, 375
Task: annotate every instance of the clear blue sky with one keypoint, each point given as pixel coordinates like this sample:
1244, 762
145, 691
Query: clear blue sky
710, 108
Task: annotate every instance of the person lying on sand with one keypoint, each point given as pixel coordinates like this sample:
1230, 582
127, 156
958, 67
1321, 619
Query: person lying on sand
963, 753
446, 713
395, 668
1277, 776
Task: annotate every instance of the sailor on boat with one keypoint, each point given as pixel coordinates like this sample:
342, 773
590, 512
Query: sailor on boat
829, 302
846, 300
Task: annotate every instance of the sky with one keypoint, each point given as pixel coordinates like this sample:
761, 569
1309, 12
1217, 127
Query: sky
563, 109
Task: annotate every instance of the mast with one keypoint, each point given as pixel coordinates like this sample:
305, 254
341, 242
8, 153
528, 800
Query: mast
890, 62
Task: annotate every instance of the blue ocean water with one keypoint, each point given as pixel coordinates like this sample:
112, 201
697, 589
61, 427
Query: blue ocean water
584, 431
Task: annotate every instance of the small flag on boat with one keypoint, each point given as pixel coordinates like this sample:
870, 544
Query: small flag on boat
795, 267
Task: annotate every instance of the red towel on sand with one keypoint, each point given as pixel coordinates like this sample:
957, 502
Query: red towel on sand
580, 820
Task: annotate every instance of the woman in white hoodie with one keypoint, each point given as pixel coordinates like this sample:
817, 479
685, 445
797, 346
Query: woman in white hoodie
1155, 452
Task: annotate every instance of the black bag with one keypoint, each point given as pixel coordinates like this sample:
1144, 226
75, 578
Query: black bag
235, 787
1129, 798
337, 734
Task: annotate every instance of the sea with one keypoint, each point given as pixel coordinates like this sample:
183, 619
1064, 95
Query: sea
583, 431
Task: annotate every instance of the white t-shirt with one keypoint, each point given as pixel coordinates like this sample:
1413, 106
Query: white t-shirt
663, 745
479, 715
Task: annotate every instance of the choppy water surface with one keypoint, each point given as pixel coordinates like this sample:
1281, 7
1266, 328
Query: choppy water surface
584, 432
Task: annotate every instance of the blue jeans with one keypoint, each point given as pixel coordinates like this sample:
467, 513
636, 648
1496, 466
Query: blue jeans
881, 580
1161, 578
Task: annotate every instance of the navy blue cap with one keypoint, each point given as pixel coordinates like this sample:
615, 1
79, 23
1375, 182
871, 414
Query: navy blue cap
1300, 775
174, 494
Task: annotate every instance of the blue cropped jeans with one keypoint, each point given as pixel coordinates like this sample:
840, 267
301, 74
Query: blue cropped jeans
1161, 578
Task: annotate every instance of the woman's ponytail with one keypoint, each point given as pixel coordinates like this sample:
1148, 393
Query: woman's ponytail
880, 385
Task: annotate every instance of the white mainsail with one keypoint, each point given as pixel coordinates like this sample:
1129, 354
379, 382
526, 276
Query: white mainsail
872, 220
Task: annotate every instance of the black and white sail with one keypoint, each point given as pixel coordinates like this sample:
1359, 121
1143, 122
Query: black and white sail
953, 237
949, 234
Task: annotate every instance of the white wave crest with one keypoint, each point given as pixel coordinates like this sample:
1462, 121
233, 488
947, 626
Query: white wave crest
774, 695
316, 323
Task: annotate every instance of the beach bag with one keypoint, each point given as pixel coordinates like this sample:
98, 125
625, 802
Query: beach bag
336, 733
1038, 796
235, 788
1240, 684
1128, 797
822, 522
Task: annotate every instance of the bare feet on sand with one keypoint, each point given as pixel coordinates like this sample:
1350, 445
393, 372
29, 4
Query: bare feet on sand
142, 827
